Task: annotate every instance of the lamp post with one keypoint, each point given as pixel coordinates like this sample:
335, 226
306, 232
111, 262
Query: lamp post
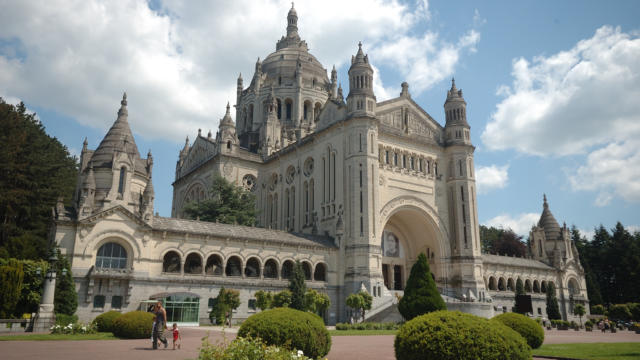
46, 317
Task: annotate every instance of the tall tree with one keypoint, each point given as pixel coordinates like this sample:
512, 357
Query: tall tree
519, 287
553, 311
297, 287
227, 203
501, 242
65, 298
35, 170
421, 295
11, 276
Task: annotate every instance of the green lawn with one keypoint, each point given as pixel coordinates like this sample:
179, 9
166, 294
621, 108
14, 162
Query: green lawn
361, 332
40, 337
595, 351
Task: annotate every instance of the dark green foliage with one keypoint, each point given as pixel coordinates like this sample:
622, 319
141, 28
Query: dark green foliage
635, 311
579, 310
35, 170
282, 299
316, 302
104, 321
264, 299
528, 328
133, 325
452, 335
619, 312
297, 287
289, 328
360, 301
368, 326
421, 295
597, 310
227, 203
519, 287
501, 242
64, 319
31, 290
66, 298
553, 311
226, 301
11, 277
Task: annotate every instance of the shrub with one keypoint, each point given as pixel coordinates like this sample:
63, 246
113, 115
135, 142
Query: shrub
104, 321
421, 295
368, 326
453, 335
64, 319
529, 329
619, 312
290, 328
133, 325
597, 310
246, 349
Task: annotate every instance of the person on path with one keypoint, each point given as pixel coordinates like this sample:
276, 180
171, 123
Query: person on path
153, 326
161, 325
177, 339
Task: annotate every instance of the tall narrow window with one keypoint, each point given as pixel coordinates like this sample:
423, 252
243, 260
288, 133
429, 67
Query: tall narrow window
293, 208
333, 175
123, 174
460, 166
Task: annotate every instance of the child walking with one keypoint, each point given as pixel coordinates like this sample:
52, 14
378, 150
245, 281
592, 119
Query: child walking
177, 339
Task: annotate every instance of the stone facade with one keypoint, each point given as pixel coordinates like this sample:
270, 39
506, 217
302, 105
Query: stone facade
355, 189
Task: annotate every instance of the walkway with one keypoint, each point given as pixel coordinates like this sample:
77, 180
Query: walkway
344, 347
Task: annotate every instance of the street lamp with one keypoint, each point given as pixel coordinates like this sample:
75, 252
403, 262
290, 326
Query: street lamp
46, 316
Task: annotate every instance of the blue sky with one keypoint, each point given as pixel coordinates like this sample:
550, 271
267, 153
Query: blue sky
552, 87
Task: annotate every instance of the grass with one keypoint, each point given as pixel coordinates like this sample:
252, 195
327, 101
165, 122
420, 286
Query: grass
361, 332
594, 351
58, 337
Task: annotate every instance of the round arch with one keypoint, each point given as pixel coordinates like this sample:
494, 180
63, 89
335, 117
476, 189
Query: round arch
193, 263
308, 272
252, 267
233, 266
287, 269
320, 272
271, 267
511, 285
120, 237
492, 283
573, 286
171, 262
214, 265
502, 284
536, 286
527, 286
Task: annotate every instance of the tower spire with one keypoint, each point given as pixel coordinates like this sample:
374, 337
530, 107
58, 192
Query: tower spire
292, 22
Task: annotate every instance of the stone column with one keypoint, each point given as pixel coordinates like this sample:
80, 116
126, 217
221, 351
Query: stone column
46, 317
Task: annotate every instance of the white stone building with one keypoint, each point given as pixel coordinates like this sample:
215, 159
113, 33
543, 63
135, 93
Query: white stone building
353, 189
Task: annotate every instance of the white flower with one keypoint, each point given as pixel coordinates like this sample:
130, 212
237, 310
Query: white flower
300, 353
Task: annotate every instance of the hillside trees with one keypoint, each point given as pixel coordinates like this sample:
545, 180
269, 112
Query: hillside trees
227, 204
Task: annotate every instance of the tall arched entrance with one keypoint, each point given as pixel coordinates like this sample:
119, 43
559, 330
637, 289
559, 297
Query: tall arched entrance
407, 232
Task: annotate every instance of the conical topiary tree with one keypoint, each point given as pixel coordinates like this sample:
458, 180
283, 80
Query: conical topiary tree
519, 287
297, 287
553, 311
420, 295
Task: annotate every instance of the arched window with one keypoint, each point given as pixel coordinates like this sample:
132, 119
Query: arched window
574, 288
536, 286
316, 111
228, 144
527, 286
234, 266
252, 268
543, 286
214, 265
193, 264
270, 269
287, 269
492, 283
171, 262
320, 274
510, 285
288, 106
279, 102
501, 284
123, 175
307, 270
111, 256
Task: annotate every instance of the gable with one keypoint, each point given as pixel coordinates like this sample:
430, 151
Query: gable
403, 115
116, 213
201, 151
331, 113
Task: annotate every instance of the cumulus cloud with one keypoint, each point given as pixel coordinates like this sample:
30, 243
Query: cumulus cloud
178, 60
580, 101
491, 177
520, 224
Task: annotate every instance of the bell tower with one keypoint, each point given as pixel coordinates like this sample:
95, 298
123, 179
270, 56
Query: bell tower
361, 100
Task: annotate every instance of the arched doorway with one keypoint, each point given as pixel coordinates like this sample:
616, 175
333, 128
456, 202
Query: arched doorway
408, 232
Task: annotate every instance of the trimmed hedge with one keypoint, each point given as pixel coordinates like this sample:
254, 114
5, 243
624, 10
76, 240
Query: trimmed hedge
528, 328
368, 326
64, 319
104, 321
289, 328
133, 325
453, 335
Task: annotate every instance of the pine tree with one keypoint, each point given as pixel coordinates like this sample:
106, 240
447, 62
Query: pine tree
11, 276
297, 287
421, 295
227, 203
36, 170
553, 311
65, 298
519, 287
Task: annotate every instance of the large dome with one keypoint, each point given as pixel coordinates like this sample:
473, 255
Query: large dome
284, 62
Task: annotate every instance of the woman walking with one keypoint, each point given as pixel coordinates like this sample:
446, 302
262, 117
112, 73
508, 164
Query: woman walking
160, 326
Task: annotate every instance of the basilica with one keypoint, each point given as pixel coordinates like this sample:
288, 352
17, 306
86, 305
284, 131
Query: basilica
353, 188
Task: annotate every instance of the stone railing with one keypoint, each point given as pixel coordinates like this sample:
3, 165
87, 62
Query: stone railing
15, 325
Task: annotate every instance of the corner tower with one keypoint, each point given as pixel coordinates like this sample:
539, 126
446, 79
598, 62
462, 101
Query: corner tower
361, 100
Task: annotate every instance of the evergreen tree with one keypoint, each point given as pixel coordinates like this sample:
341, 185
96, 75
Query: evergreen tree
11, 276
65, 298
501, 242
519, 287
297, 287
36, 170
227, 204
421, 295
553, 311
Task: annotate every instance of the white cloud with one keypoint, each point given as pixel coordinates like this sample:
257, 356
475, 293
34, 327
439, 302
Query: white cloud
491, 177
179, 61
520, 224
580, 101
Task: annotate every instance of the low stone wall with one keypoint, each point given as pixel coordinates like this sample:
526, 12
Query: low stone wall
482, 309
15, 325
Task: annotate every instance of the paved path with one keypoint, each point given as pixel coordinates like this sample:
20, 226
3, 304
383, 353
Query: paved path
343, 347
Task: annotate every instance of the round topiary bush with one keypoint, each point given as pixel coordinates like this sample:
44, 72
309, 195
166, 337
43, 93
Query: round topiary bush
133, 325
452, 335
528, 328
290, 328
104, 321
